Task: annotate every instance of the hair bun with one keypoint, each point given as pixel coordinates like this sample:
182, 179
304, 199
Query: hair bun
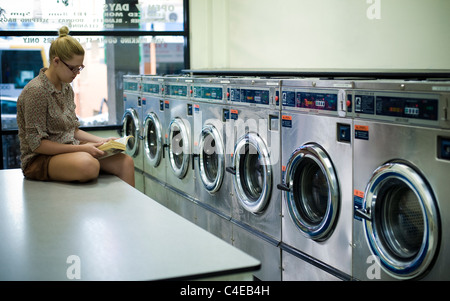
63, 31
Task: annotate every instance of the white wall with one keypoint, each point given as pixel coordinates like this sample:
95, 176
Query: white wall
280, 34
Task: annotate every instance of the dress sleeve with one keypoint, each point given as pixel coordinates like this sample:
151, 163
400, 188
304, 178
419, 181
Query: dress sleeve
35, 116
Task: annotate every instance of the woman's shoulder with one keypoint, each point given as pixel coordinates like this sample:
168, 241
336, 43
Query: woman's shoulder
36, 85
33, 91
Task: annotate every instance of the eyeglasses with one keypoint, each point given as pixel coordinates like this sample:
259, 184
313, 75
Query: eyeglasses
72, 68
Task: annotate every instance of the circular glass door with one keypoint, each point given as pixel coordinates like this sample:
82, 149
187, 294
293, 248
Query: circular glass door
131, 127
211, 161
403, 223
179, 147
153, 139
313, 199
253, 178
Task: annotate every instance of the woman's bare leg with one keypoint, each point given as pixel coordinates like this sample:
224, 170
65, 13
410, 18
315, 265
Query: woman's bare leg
82, 167
120, 165
78, 166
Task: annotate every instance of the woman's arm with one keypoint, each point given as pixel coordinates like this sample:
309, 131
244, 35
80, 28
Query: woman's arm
84, 136
48, 147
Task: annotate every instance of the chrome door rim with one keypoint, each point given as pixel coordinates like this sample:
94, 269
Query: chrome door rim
378, 240
316, 155
214, 185
254, 206
177, 124
154, 160
131, 113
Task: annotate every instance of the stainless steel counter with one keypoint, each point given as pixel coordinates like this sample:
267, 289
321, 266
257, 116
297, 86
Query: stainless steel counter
103, 230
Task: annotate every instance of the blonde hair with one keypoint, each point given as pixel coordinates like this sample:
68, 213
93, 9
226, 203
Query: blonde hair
65, 46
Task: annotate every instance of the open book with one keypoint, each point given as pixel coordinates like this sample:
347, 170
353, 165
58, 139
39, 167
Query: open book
113, 147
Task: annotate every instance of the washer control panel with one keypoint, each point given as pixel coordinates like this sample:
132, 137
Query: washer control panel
399, 107
207, 92
317, 101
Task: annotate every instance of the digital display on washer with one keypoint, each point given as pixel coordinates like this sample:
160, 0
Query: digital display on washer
151, 88
208, 92
418, 108
318, 101
176, 90
255, 96
130, 86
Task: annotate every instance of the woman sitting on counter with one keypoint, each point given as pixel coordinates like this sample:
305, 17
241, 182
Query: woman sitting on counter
51, 143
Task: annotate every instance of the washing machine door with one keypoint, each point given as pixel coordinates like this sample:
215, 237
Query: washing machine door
179, 147
313, 197
253, 173
401, 220
211, 163
131, 127
153, 139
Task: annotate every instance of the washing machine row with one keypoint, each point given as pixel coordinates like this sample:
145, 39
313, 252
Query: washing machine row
351, 191
131, 124
157, 112
183, 142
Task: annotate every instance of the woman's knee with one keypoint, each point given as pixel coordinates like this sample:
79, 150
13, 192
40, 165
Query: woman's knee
117, 164
79, 166
128, 161
88, 167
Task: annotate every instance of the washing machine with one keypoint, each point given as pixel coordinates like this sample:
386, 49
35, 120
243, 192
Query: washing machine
254, 145
211, 114
132, 124
401, 188
317, 153
154, 131
180, 175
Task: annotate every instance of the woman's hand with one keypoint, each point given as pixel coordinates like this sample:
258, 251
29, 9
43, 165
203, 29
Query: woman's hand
92, 149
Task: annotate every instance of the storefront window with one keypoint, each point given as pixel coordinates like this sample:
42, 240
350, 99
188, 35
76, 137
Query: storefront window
106, 59
119, 37
93, 15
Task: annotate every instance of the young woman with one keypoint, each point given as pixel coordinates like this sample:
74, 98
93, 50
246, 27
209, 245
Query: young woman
52, 146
